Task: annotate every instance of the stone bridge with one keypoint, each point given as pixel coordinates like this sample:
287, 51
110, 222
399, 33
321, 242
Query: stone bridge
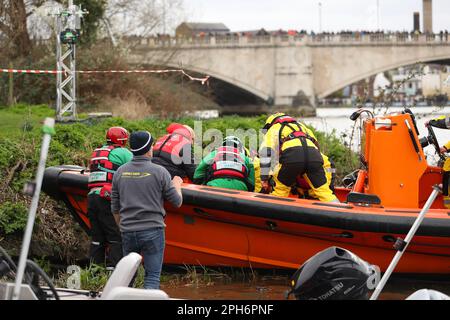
283, 69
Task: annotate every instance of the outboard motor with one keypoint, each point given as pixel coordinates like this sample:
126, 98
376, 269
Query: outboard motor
334, 274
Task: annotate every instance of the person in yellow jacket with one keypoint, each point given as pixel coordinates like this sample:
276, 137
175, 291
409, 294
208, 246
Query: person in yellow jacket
294, 149
444, 123
257, 166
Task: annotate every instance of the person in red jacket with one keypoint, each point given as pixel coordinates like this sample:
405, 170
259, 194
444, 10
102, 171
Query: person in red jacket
174, 151
103, 164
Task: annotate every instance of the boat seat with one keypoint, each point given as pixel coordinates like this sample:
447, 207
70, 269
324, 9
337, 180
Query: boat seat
363, 198
122, 274
125, 293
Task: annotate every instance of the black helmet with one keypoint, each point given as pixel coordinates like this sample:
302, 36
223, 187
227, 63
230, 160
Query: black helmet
334, 274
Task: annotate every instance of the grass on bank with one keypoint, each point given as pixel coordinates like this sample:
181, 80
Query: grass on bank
17, 120
94, 277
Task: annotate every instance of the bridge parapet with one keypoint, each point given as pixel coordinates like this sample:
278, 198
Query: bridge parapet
354, 39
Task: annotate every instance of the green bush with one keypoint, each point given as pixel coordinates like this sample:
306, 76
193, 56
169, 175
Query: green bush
71, 136
9, 152
344, 159
13, 217
73, 143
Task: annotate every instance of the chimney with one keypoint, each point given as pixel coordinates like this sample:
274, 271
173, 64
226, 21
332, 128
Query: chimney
428, 16
416, 21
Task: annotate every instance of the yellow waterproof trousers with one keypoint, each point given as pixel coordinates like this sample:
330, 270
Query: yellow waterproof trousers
285, 178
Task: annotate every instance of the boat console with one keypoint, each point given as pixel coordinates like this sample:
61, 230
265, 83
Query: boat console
397, 172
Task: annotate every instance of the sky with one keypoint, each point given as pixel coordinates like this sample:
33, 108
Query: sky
336, 15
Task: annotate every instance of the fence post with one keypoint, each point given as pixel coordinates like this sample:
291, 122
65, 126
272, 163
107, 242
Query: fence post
10, 87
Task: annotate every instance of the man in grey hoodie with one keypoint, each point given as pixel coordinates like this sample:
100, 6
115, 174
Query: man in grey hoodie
138, 193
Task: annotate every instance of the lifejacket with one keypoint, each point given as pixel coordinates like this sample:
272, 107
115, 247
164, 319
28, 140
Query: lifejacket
169, 146
102, 169
296, 133
228, 163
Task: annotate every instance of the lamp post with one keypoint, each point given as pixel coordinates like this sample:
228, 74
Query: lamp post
378, 14
320, 17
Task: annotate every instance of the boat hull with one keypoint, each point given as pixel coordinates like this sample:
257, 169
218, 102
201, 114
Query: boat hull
217, 227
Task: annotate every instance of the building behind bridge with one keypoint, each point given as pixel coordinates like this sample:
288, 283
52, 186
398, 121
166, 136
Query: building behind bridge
194, 29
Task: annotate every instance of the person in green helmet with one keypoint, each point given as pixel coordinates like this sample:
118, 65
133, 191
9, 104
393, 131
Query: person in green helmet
229, 166
106, 242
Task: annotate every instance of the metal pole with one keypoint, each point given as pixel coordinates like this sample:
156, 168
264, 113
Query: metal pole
320, 17
409, 236
378, 15
73, 67
48, 129
66, 103
11, 87
58, 67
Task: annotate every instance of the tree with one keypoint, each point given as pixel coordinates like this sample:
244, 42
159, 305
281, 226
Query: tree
15, 16
13, 26
91, 21
141, 17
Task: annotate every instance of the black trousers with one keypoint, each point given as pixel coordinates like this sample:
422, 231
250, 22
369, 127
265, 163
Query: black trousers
295, 162
106, 242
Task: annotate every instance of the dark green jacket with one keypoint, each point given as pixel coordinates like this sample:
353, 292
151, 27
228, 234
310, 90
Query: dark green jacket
200, 175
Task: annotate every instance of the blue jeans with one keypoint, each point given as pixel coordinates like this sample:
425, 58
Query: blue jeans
149, 243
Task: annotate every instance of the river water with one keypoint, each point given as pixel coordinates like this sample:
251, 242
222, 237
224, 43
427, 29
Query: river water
338, 120
274, 287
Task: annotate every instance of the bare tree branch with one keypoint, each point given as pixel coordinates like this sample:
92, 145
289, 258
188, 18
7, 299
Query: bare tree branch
143, 17
14, 32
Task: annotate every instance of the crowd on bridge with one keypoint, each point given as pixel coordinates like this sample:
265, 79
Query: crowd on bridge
326, 35
442, 35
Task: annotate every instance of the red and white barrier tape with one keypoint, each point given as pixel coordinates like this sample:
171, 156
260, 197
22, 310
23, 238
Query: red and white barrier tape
202, 80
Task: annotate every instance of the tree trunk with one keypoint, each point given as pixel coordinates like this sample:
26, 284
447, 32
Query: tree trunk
21, 39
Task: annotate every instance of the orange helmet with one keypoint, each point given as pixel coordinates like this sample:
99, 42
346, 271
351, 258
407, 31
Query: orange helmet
117, 135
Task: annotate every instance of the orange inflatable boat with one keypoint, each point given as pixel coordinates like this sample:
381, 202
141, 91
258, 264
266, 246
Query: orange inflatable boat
220, 227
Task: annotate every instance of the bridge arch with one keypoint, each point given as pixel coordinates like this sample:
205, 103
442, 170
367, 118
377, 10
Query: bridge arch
277, 70
378, 70
230, 80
